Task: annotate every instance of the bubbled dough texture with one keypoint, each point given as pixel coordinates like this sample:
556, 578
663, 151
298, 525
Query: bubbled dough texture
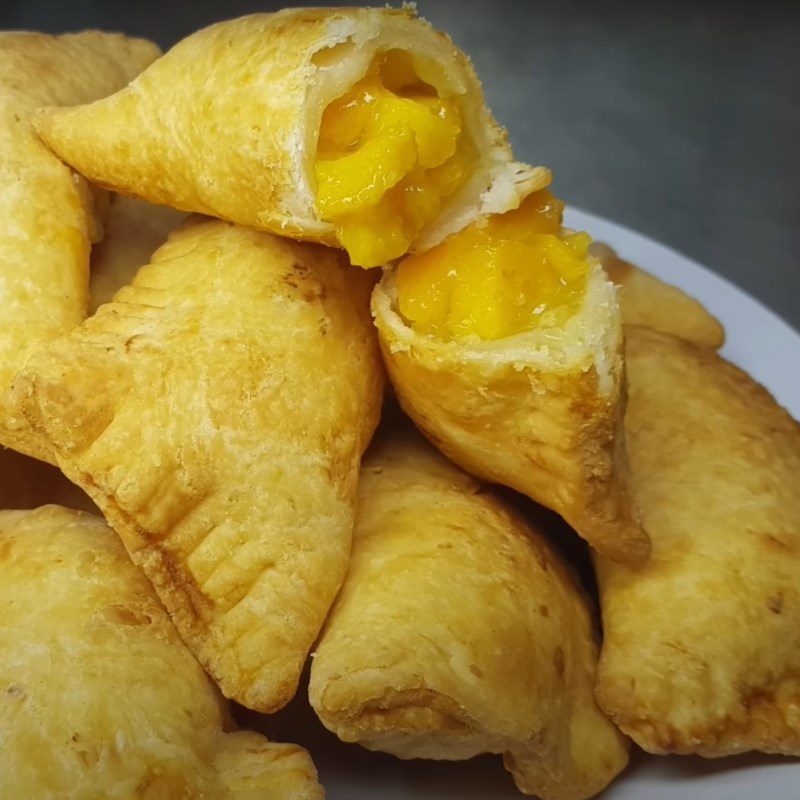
458, 632
100, 698
646, 300
551, 432
47, 211
134, 230
216, 412
702, 647
251, 83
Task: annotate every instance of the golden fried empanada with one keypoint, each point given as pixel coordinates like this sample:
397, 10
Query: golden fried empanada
362, 127
133, 231
100, 697
48, 213
458, 631
216, 411
504, 344
702, 646
649, 301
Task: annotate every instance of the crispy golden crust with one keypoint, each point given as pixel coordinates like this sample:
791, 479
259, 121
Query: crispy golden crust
260, 84
100, 697
646, 300
540, 415
458, 631
48, 213
133, 232
216, 412
702, 647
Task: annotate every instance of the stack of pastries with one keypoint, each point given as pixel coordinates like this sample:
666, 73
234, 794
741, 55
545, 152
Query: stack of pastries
211, 260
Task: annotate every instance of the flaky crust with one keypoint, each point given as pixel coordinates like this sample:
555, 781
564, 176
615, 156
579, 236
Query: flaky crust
646, 300
540, 412
100, 697
260, 84
134, 230
459, 632
216, 412
48, 213
702, 646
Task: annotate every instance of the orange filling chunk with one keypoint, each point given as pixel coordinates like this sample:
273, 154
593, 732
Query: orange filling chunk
390, 151
513, 273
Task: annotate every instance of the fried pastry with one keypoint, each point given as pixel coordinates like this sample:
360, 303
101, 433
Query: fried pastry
49, 214
702, 646
504, 344
100, 697
134, 230
647, 300
458, 631
216, 411
358, 127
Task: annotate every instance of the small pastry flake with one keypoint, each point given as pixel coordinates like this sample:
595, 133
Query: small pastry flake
49, 214
216, 411
646, 300
358, 127
458, 631
100, 697
702, 645
504, 345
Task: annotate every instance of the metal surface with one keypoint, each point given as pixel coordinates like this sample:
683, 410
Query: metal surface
681, 120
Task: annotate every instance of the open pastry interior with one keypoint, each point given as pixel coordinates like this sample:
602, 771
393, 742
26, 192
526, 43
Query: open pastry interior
516, 287
408, 152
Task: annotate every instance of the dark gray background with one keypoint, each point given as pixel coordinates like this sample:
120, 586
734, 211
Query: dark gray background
681, 120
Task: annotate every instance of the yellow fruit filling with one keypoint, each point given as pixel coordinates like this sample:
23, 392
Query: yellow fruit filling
513, 273
390, 151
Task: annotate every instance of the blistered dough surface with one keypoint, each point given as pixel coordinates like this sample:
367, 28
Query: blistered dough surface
216, 411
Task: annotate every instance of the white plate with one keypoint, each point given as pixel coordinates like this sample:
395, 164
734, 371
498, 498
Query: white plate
769, 349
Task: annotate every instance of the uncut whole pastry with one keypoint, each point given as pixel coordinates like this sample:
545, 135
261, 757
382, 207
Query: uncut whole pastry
216, 411
358, 127
702, 645
100, 697
458, 631
49, 214
504, 345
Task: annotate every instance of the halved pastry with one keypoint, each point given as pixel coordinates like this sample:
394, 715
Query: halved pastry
48, 213
504, 344
216, 411
134, 230
702, 646
100, 697
459, 631
649, 301
358, 127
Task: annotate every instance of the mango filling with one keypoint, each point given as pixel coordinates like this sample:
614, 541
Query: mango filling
514, 273
390, 151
